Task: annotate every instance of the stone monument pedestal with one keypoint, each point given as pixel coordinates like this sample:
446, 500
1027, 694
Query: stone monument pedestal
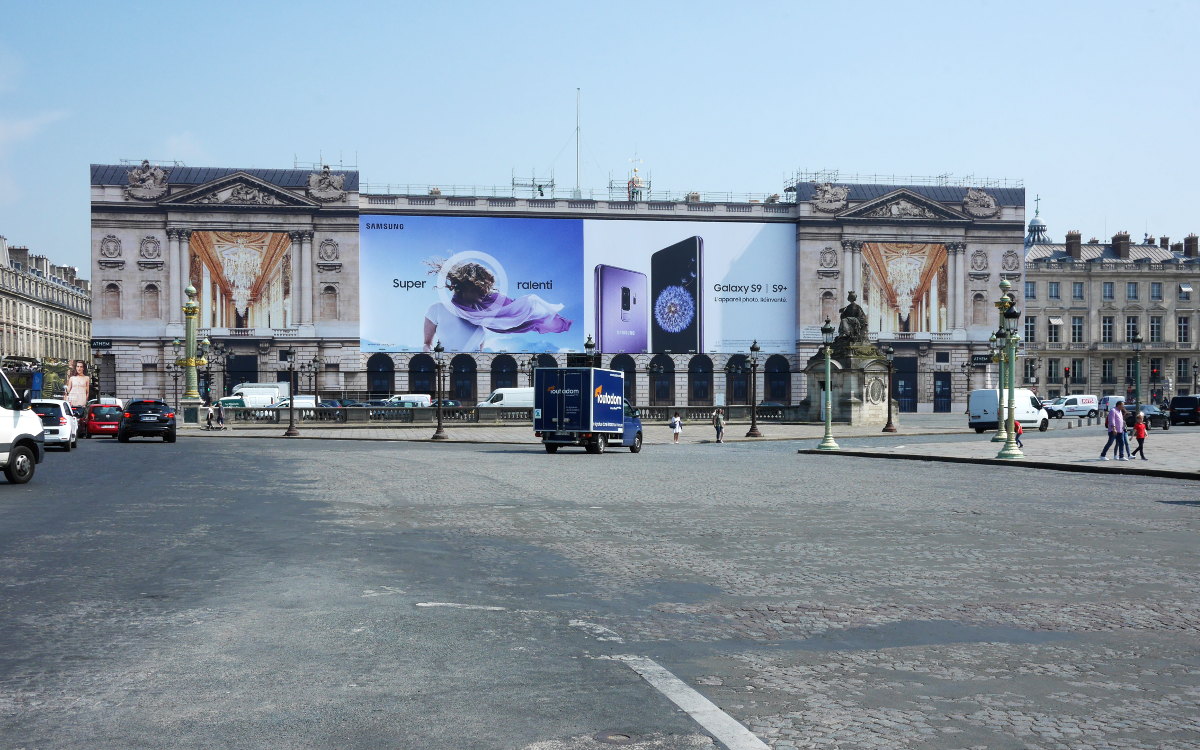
858, 378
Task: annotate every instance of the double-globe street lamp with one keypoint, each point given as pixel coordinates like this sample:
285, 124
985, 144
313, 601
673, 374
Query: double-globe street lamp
828, 443
1137, 367
532, 365
754, 350
310, 370
1009, 315
439, 366
217, 354
996, 349
291, 429
175, 370
890, 354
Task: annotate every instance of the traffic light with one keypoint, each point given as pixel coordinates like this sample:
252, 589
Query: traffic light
1066, 374
1153, 374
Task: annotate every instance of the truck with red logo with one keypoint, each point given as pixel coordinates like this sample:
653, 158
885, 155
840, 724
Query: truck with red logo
586, 407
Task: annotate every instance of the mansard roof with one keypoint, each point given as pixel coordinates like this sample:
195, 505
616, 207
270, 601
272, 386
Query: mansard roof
292, 179
1097, 252
806, 191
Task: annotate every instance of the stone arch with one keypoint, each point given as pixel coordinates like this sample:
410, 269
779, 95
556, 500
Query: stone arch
381, 375
777, 380
979, 309
737, 380
463, 378
110, 301
662, 380
150, 302
828, 307
700, 381
421, 369
329, 302
627, 365
504, 372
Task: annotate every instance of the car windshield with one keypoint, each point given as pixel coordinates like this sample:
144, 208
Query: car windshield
101, 413
47, 410
147, 407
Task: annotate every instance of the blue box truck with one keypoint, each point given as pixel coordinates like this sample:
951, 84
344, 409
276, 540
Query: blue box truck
584, 406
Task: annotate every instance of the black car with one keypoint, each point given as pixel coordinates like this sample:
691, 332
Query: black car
1154, 416
147, 417
1185, 409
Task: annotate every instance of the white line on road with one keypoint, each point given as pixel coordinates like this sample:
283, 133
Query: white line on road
600, 632
455, 605
703, 711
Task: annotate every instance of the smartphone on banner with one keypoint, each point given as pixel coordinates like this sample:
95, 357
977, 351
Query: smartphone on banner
675, 281
620, 310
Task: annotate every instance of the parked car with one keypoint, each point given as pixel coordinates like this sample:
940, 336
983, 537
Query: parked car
1051, 406
448, 403
59, 424
1185, 409
102, 419
147, 417
1154, 416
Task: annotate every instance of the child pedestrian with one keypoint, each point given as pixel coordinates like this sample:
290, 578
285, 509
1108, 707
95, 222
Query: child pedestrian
1139, 432
676, 427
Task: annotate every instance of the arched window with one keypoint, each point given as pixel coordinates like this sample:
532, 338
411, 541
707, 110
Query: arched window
662, 381
979, 310
463, 378
420, 374
737, 380
777, 380
381, 375
329, 304
625, 364
546, 360
828, 308
504, 372
111, 303
700, 374
150, 302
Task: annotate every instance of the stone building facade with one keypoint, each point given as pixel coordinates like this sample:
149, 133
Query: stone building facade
45, 309
1086, 302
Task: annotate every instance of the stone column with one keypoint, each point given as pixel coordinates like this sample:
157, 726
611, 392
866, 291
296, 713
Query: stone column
847, 270
206, 305
185, 261
294, 252
306, 301
174, 288
856, 259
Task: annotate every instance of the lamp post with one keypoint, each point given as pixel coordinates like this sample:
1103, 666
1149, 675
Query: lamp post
310, 370
890, 353
533, 362
654, 369
966, 371
1195, 376
1137, 368
291, 430
828, 443
996, 347
754, 350
192, 358
589, 348
94, 386
439, 364
175, 369
1008, 323
217, 354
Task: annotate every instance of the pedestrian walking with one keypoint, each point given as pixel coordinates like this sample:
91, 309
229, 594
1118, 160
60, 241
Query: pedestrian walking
719, 425
220, 416
1115, 422
1139, 434
1020, 431
208, 425
676, 427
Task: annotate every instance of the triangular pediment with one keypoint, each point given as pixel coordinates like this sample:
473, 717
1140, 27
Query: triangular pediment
903, 205
239, 189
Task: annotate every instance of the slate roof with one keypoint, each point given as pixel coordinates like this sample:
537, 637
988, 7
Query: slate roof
1095, 253
805, 191
118, 174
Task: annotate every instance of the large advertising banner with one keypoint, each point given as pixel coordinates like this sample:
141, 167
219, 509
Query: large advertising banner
543, 285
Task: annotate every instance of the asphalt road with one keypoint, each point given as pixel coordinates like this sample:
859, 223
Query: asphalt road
251, 593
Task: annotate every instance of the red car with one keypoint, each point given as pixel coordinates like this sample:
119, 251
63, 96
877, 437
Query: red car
102, 419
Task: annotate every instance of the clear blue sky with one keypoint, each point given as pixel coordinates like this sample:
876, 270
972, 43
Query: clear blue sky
1092, 104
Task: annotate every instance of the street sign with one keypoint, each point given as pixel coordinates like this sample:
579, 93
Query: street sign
981, 360
102, 343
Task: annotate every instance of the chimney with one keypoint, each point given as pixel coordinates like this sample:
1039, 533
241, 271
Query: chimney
1177, 248
1074, 248
1189, 246
1120, 244
1164, 242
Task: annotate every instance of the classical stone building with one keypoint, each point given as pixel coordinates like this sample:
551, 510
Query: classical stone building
273, 255
1086, 303
45, 309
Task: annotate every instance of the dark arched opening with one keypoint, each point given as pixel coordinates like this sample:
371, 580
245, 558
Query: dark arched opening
381, 375
625, 364
778, 380
504, 372
662, 381
420, 374
700, 381
463, 377
737, 380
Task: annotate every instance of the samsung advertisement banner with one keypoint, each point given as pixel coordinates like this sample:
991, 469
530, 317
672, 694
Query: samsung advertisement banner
542, 285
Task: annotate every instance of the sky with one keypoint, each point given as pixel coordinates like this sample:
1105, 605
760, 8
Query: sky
1093, 105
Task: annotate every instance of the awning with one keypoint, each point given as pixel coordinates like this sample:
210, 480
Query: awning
1185, 288
1056, 321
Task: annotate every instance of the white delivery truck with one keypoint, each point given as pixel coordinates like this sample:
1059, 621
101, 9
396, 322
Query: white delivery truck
1075, 405
983, 409
513, 398
22, 444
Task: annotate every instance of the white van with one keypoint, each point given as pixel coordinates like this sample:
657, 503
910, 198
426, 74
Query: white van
22, 445
422, 400
1075, 405
982, 410
515, 398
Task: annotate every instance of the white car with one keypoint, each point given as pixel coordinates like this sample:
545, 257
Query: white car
59, 425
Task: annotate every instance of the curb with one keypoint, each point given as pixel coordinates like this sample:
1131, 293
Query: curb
1079, 469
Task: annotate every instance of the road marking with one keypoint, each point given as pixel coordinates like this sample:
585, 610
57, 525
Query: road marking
703, 711
600, 632
456, 605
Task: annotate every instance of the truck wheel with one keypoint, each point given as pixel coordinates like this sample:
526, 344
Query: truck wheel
20, 465
1045, 425
979, 430
551, 448
601, 443
637, 444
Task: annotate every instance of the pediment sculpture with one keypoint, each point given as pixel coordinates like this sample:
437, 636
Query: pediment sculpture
830, 198
980, 204
902, 209
146, 182
326, 186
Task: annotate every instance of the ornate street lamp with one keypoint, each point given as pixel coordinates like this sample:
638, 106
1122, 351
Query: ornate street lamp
655, 370
828, 443
533, 363
589, 348
310, 370
1008, 323
439, 365
217, 354
175, 369
996, 345
890, 353
291, 430
1195, 377
754, 350
1137, 368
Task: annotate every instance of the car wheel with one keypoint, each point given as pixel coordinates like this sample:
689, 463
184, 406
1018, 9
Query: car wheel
1092, 414
637, 444
169, 437
88, 436
551, 448
122, 438
979, 430
1045, 425
67, 446
20, 465
1166, 425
